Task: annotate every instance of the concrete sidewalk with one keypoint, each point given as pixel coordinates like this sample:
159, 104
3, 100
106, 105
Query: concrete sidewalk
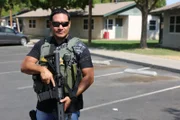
155, 62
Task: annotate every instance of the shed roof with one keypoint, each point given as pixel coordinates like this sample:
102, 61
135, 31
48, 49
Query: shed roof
167, 8
103, 9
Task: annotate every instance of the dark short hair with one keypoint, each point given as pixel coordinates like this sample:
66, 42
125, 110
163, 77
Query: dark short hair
59, 10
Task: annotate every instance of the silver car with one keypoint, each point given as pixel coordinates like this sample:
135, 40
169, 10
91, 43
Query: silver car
11, 36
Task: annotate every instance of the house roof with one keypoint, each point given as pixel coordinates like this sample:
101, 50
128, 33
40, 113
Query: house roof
18, 13
36, 13
167, 8
103, 9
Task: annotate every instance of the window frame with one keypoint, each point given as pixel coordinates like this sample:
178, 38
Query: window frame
32, 23
152, 26
85, 24
174, 23
47, 24
108, 25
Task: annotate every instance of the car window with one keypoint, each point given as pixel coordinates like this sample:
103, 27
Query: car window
8, 30
1, 29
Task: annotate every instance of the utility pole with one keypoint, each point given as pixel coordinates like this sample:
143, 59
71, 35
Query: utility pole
17, 21
90, 22
10, 16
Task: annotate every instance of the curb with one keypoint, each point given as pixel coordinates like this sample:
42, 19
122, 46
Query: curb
140, 63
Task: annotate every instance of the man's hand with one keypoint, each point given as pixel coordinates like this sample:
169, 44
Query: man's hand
66, 102
47, 76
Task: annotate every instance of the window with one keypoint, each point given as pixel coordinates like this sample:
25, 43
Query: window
32, 23
152, 25
119, 22
2, 29
10, 23
8, 30
47, 24
85, 23
174, 24
109, 24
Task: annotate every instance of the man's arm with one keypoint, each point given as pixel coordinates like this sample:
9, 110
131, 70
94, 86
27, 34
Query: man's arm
87, 80
86, 66
30, 67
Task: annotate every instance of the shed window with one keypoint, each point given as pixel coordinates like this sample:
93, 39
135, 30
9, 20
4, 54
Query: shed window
85, 24
152, 25
32, 23
109, 24
174, 25
47, 24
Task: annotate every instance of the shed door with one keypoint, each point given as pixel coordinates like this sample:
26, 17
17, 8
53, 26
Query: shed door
119, 28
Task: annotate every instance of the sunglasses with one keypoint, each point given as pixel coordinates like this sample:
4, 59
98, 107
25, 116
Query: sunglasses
57, 24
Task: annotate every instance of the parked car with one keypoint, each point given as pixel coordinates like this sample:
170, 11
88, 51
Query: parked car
11, 36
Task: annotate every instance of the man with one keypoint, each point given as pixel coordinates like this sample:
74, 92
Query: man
60, 23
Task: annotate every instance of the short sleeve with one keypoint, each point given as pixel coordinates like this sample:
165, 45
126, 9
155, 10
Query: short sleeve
83, 55
35, 51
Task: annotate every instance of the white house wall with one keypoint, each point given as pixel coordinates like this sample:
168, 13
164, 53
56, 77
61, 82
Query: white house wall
39, 30
153, 34
134, 27
77, 27
171, 40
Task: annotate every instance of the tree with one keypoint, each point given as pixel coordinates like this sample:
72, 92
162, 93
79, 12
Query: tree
89, 22
160, 3
9, 5
51, 4
2, 3
145, 6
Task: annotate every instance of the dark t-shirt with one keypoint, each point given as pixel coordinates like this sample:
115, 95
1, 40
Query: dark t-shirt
83, 60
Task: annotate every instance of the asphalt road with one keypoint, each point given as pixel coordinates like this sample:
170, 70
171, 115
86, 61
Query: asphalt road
115, 95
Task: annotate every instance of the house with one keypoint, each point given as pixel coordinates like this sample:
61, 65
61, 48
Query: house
16, 23
121, 20
170, 36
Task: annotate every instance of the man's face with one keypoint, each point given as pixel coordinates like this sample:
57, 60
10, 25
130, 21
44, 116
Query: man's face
60, 25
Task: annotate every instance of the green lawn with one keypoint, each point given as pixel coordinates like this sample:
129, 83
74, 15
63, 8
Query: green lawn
133, 47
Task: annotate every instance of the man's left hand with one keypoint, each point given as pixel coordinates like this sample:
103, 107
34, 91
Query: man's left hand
66, 102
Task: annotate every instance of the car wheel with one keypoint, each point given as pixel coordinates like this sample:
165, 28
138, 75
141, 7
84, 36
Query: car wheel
23, 41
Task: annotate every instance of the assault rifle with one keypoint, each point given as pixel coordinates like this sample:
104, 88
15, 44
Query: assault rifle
59, 86
53, 64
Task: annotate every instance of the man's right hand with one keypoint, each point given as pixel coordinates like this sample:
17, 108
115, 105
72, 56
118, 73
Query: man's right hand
47, 76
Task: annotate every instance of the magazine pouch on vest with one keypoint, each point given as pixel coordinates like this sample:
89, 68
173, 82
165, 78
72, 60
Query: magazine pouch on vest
68, 68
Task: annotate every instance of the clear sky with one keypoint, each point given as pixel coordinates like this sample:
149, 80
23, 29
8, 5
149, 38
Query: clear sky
171, 1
